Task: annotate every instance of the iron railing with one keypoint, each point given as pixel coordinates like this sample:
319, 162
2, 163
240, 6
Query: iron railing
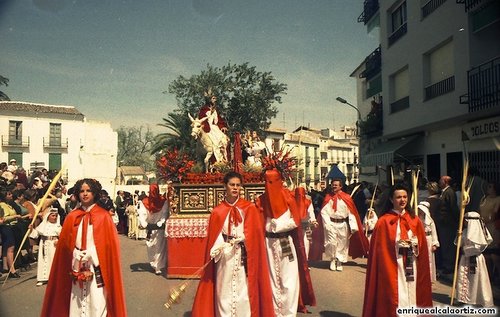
400, 104
431, 6
483, 84
440, 88
55, 144
396, 35
373, 64
370, 8
11, 141
469, 4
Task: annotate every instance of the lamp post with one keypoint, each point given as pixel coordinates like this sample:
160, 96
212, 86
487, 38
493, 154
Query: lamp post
342, 100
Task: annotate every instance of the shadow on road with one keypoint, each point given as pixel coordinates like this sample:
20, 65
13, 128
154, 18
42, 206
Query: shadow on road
328, 313
141, 267
326, 264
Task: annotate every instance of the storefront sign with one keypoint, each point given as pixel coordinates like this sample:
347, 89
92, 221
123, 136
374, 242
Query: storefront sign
483, 129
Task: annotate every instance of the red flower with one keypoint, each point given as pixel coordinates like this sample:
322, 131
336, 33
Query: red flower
174, 165
280, 160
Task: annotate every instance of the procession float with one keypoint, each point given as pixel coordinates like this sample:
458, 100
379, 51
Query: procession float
193, 195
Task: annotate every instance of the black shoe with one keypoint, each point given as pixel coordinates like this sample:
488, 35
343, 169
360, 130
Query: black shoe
14, 275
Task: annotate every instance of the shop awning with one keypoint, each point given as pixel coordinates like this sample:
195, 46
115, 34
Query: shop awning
383, 154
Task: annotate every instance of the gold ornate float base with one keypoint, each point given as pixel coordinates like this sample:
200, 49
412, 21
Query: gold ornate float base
186, 228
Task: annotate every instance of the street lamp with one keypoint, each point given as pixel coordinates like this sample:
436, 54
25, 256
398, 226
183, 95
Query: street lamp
342, 100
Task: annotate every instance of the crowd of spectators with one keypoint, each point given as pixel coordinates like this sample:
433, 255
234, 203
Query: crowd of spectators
20, 193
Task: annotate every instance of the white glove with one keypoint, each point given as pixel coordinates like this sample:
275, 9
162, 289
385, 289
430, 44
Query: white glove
216, 252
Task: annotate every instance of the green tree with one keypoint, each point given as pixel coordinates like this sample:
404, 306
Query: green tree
4, 81
178, 135
246, 96
134, 147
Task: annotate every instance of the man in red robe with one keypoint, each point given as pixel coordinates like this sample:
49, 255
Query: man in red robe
58, 295
236, 278
398, 273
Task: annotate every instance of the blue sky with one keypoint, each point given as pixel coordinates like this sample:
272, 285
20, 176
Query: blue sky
114, 59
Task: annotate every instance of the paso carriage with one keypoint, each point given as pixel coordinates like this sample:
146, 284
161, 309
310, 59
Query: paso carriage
192, 199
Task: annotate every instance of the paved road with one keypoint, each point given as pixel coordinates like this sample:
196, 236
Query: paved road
339, 294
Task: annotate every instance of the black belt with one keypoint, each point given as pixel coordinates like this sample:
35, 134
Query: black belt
346, 219
369, 232
278, 235
243, 251
428, 233
44, 238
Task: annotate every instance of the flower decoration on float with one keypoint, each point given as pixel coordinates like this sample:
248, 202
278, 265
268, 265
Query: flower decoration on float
281, 160
174, 165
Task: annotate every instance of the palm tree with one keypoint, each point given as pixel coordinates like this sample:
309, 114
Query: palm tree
4, 81
179, 137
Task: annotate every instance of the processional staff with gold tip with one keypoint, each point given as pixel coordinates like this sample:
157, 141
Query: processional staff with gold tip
176, 292
464, 197
370, 210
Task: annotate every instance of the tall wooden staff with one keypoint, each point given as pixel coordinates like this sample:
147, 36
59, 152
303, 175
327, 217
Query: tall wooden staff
370, 210
465, 200
392, 176
37, 210
414, 184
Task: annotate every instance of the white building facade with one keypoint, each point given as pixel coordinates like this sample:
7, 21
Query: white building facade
430, 94
317, 151
58, 137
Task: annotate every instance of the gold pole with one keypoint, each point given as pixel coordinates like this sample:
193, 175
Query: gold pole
370, 210
392, 176
37, 210
464, 196
355, 189
176, 292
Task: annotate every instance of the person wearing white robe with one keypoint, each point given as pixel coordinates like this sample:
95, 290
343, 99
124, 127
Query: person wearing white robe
90, 299
142, 216
230, 271
473, 282
48, 231
431, 235
156, 244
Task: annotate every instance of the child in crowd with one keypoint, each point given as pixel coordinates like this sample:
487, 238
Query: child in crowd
48, 231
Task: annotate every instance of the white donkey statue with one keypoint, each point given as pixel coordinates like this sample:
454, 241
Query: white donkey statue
214, 142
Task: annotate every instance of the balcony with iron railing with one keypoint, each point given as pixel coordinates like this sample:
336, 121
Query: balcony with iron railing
470, 4
373, 64
400, 104
431, 6
397, 34
370, 8
440, 88
374, 124
55, 144
15, 142
483, 83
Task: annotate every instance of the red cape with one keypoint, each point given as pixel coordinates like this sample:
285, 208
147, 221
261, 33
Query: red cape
306, 295
221, 123
381, 287
57, 295
358, 243
259, 283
